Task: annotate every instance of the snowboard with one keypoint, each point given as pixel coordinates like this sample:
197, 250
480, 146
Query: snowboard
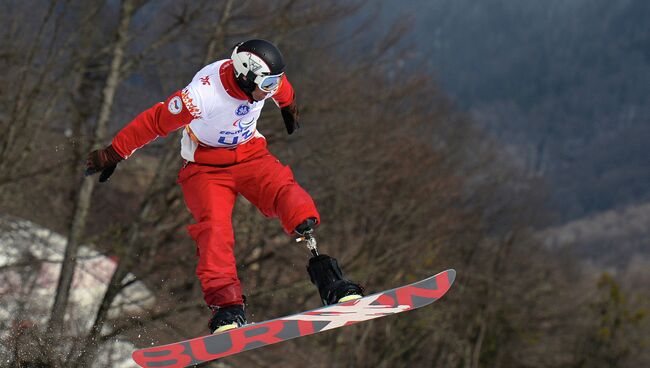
255, 335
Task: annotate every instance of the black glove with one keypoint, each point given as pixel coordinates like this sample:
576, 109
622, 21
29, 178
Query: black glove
104, 160
291, 115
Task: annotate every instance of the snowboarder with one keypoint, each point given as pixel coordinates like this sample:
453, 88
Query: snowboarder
225, 155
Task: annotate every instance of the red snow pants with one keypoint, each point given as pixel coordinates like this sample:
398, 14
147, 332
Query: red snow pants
210, 192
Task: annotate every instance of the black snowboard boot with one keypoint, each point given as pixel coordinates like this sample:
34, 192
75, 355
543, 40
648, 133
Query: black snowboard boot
326, 274
226, 318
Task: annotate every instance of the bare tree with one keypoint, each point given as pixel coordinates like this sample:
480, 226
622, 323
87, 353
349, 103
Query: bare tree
83, 200
158, 186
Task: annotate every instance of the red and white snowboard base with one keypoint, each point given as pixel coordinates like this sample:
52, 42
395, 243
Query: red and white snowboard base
211, 347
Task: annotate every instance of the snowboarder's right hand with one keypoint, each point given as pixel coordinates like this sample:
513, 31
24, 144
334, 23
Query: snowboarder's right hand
104, 160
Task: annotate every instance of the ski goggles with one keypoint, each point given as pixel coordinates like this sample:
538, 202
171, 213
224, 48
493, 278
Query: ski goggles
268, 83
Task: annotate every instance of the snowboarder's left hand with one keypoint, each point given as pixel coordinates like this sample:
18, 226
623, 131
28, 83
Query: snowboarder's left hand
104, 160
291, 115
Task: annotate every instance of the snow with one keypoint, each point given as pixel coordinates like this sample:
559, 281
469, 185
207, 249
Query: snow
30, 262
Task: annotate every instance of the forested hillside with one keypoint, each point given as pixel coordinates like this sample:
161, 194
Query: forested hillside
565, 84
405, 180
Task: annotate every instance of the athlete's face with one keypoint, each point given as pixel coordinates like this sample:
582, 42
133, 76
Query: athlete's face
258, 94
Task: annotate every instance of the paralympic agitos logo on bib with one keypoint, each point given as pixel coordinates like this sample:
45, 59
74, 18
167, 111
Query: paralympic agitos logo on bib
242, 110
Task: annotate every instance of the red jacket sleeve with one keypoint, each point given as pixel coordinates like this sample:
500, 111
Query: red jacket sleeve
159, 120
284, 96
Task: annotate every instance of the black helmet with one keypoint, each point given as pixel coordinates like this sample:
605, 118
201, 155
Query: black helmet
257, 63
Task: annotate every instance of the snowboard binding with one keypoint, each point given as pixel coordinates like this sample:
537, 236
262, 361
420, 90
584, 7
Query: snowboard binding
324, 271
226, 318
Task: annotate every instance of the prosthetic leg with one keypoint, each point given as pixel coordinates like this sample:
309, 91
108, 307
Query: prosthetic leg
325, 272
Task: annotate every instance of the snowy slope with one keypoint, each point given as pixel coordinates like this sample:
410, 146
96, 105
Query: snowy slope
30, 260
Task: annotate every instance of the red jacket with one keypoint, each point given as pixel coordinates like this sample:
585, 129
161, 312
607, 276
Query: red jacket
190, 107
